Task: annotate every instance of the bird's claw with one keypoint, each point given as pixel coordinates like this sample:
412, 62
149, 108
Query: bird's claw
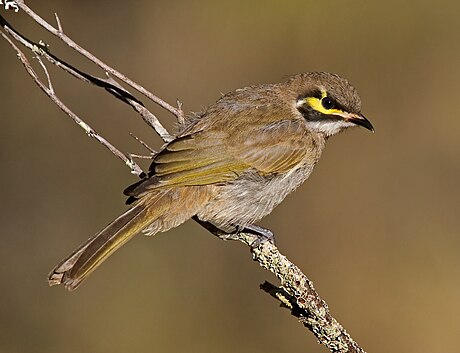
262, 234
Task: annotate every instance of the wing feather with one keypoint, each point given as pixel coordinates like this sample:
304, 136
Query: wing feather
276, 148
207, 157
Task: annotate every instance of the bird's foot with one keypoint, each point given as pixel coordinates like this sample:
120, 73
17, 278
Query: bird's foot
262, 234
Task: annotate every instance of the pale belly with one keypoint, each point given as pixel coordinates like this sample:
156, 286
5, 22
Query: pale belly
250, 197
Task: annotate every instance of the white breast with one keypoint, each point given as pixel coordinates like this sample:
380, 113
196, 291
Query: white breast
249, 198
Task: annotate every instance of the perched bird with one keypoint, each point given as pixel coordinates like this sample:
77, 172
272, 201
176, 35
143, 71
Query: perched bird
229, 165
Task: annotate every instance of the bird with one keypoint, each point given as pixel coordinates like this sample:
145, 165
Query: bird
229, 165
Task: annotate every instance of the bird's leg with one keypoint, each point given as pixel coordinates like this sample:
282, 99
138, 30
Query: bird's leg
222, 234
263, 234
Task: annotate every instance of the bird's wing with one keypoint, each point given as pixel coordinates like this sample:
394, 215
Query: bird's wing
212, 157
199, 158
274, 148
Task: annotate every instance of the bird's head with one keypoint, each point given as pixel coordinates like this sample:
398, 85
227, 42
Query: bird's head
327, 102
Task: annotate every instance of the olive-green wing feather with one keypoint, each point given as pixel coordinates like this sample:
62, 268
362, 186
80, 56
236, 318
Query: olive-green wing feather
198, 159
210, 157
275, 148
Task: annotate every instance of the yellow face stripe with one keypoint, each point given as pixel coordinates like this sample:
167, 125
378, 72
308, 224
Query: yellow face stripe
316, 104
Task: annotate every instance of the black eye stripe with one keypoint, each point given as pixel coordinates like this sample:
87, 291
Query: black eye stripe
311, 114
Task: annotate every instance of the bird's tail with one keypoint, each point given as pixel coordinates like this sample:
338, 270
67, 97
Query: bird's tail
83, 261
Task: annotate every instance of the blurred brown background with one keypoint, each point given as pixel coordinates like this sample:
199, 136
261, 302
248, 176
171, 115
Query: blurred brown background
376, 227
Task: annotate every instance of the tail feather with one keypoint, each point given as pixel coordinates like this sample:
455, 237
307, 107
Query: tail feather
83, 261
156, 212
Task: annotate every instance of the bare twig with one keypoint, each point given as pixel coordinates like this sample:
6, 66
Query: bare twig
58, 22
61, 35
108, 83
152, 120
49, 91
181, 118
140, 156
147, 115
151, 150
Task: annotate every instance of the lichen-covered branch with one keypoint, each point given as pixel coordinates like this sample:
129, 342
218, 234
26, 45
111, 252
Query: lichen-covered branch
296, 291
305, 302
312, 311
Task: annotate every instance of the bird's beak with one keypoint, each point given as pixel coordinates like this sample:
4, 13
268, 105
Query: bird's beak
358, 119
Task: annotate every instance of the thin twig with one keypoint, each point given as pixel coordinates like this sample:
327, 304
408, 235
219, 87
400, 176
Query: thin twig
147, 115
45, 70
140, 156
58, 22
152, 121
181, 118
108, 83
49, 91
61, 35
151, 150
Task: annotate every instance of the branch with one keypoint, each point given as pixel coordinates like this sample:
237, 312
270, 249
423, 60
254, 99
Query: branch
49, 91
296, 291
58, 32
108, 83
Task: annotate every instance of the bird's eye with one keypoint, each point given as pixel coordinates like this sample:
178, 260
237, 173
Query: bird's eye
327, 103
